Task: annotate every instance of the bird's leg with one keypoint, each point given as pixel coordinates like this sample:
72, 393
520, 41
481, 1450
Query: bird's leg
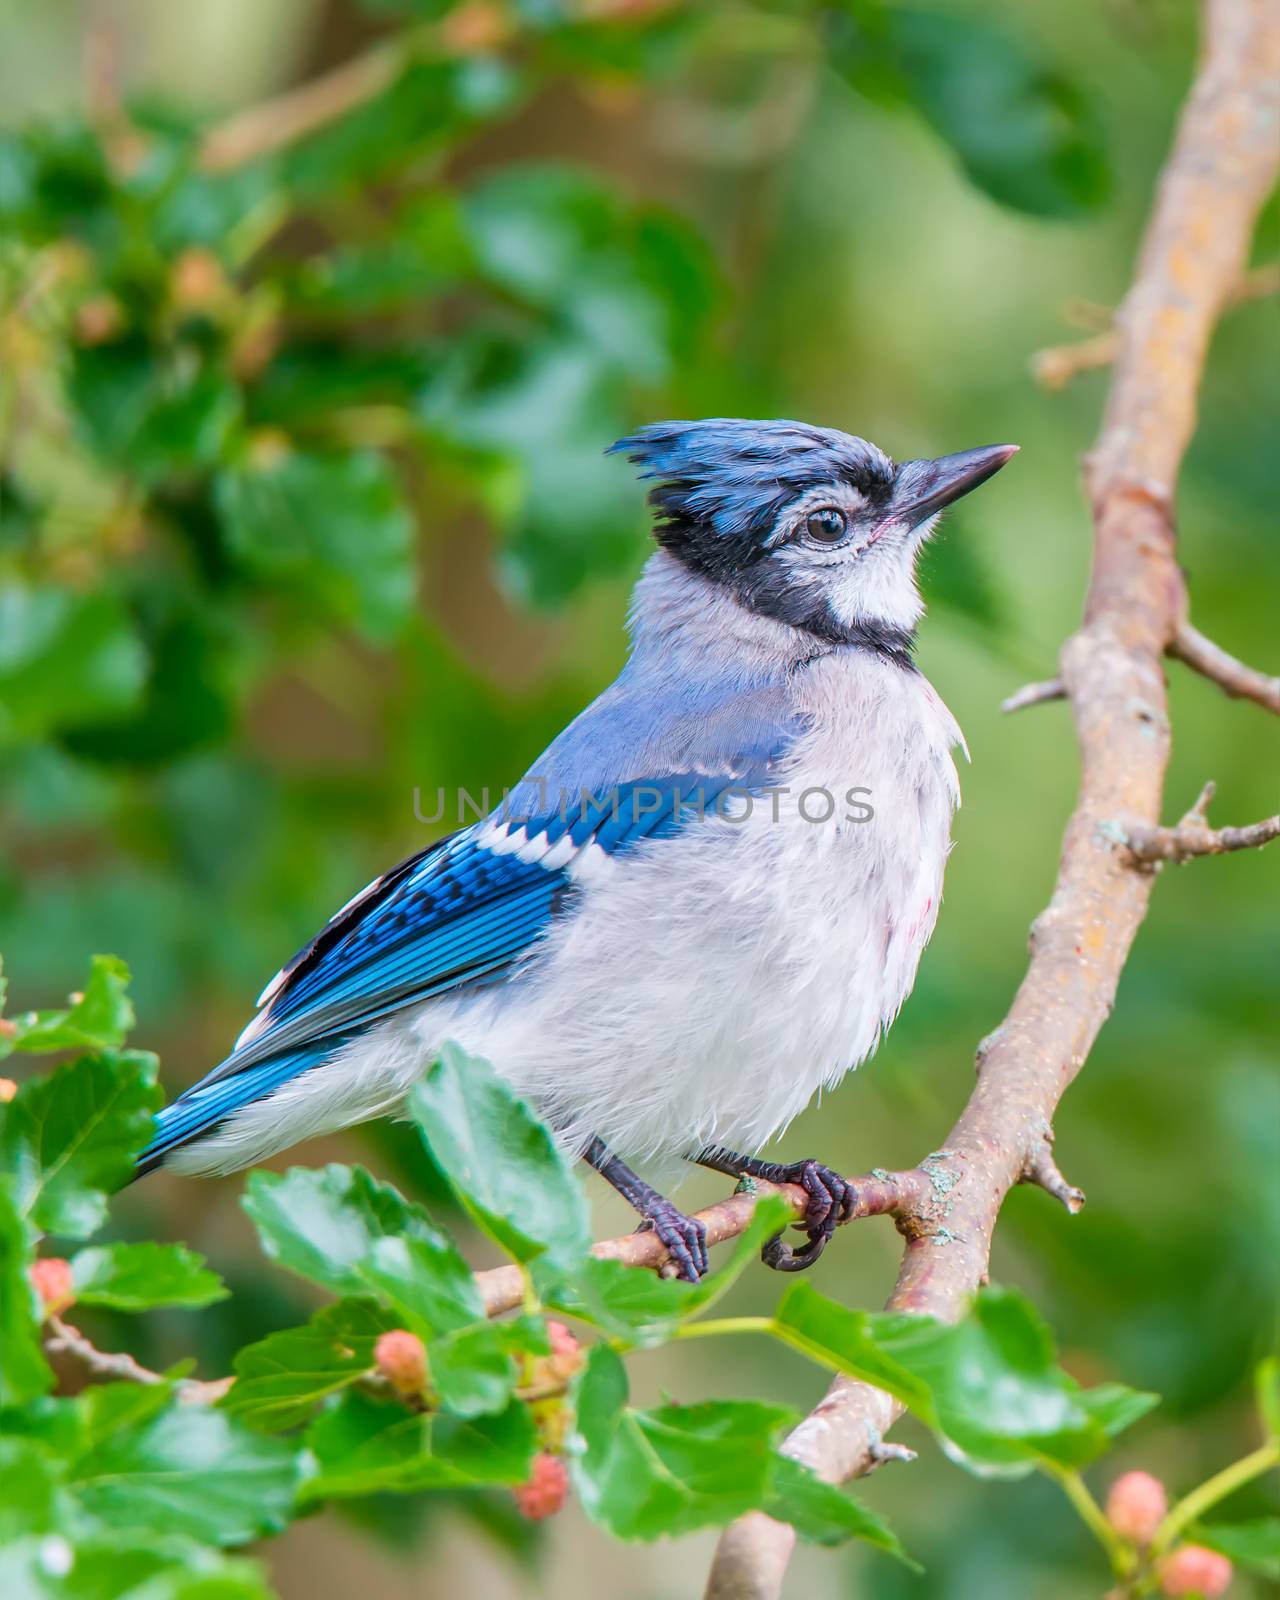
684, 1237
831, 1200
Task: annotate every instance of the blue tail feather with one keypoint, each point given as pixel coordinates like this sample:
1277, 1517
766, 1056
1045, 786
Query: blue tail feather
200, 1110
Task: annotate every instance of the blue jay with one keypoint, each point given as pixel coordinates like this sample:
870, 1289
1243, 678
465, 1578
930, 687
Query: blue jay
708, 897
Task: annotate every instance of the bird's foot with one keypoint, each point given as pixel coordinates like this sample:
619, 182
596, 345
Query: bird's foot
685, 1237
831, 1201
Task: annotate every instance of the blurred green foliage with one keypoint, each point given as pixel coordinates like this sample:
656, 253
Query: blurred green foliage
303, 504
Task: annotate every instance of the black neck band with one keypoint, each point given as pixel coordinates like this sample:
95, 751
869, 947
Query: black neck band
800, 610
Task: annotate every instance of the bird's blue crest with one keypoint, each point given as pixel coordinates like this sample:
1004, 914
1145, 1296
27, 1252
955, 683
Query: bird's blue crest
722, 483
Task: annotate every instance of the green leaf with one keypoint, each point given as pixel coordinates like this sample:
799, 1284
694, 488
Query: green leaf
640, 1307
472, 1370
281, 1379
124, 1565
1023, 132
30, 1495
323, 1224
24, 1373
17, 175
502, 1162
202, 208
822, 1514
332, 530
1255, 1545
633, 282
65, 658
426, 254
187, 701
535, 408
989, 1385
68, 1141
424, 10
63, 186
153, 1462
425, 1280
859, 1343
149, 416
134, 1277
1266, 1380
670, 1469
363, 1446
98, 1020
1114, 1407
312, 377
428, 104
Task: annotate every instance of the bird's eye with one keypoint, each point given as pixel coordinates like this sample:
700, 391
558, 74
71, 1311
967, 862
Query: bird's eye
826, 524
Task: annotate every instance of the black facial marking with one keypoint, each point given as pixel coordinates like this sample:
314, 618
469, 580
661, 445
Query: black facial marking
769, 592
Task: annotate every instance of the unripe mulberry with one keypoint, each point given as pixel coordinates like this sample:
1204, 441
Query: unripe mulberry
1195, 1570
401, 1358
1136, 1506
52, 1281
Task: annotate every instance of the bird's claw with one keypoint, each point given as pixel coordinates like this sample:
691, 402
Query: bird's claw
831, 1201
684, 1237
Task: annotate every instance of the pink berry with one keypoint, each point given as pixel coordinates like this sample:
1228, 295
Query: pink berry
566, 1352
547, 1488
1136, 1506
52, 1281
8, 1088
401, 1358
1195, 1570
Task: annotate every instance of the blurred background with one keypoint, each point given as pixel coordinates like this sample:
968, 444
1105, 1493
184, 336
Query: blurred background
303, 509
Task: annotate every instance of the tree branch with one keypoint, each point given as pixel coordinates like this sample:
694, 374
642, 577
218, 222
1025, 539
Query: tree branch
1055, 367
1211, 661
117, 1366
273, 124
1035, 694
1149, 844
1220, 171
878, 1194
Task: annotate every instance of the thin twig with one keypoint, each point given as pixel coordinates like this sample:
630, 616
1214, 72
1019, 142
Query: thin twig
262, 129
1042, 1169
471, 28
1149, 844
883, 1451
1211, 661
1035, 694
1221, 170
108, 1365
1056, 366
1212, 1490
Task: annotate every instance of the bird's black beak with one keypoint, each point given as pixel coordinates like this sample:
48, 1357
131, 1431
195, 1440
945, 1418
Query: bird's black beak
923, 488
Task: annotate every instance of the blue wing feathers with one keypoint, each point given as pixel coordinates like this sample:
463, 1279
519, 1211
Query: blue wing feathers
457, 915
